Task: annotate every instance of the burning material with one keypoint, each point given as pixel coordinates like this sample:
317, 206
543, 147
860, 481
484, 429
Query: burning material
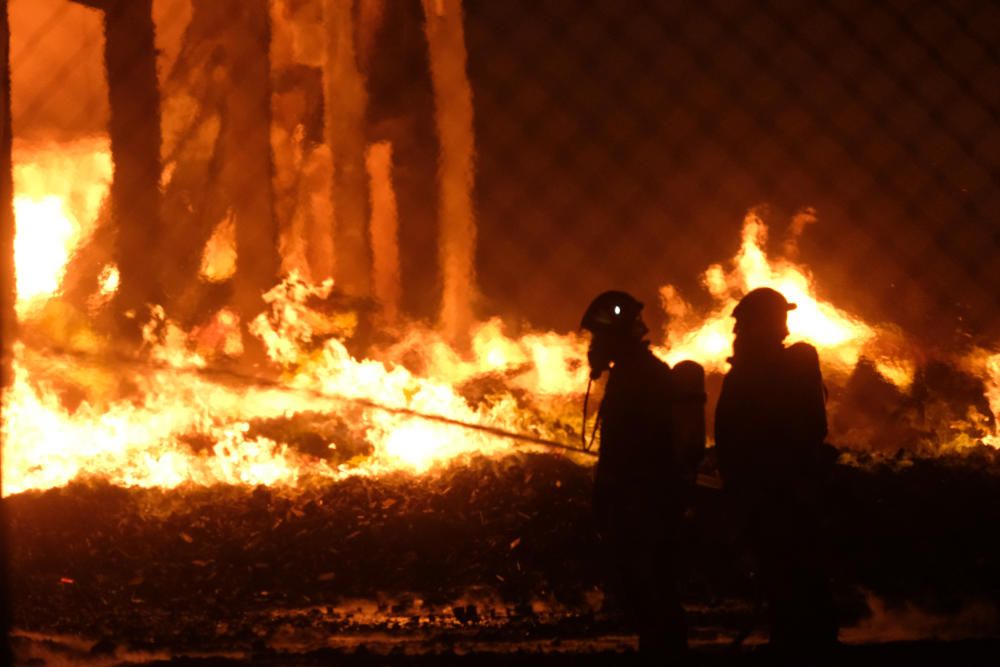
346, 99
454, 114
384, 230
218, 262
59, 190
163, 427
987, 365
840, 338
138, 426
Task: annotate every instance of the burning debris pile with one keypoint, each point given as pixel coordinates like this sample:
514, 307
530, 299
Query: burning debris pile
174, 414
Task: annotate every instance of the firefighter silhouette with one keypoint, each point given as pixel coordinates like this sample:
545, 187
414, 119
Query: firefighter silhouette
770, 425
652, 438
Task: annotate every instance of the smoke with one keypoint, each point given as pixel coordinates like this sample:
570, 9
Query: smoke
907, 622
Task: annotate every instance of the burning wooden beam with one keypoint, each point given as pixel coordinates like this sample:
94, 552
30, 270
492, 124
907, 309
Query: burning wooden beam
130, 58
385, 231
453, 100
346, 100
195, 201
248, 164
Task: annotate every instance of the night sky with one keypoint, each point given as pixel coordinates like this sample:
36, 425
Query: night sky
620, 144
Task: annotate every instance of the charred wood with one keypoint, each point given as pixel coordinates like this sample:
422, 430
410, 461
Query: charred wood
247, 167
346, 100
218, 157
453, 102
400, 111
130, 58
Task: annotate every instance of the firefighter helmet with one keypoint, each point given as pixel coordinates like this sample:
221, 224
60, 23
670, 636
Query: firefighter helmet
614, 312
762, 303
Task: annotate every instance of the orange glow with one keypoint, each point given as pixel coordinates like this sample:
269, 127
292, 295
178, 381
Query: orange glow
142, 439
46, 233
986, 365
58, 192
840, 337
135, 424
218, 262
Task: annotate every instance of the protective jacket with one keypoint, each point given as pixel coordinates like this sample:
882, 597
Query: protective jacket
770, 421
652, 432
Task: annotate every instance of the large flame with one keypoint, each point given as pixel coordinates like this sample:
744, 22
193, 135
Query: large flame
841, 338
146, 440
170, 419
59, 188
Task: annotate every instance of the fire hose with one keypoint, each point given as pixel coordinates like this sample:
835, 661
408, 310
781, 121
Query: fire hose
702, 480
268, 383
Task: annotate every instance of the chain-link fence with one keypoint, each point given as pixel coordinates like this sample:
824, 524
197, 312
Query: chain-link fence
615, 144
445, 162
621, 145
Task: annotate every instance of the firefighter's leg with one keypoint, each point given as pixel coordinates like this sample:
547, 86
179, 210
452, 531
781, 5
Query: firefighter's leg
664, 631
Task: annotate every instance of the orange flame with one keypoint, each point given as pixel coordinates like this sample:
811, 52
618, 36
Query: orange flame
58, 191
841, 338
171, 424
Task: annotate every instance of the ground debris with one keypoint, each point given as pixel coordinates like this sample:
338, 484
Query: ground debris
490, 544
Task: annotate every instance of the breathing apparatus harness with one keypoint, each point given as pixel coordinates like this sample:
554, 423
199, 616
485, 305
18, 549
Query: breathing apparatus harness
612, 313
597, 422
